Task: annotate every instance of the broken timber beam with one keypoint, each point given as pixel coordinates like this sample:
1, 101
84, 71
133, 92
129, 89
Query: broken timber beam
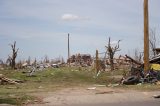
134, 61
6, 80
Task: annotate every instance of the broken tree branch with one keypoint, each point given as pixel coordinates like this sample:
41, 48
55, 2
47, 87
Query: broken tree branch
134, 61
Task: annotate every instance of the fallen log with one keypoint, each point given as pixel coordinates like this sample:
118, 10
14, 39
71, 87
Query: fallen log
5, 80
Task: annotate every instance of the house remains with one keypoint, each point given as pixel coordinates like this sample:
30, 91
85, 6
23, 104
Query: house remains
80, 60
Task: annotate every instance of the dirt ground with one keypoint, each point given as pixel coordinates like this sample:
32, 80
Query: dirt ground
93, 96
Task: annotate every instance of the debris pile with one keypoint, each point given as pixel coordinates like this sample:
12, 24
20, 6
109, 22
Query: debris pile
137, 75
5, 80
83, 60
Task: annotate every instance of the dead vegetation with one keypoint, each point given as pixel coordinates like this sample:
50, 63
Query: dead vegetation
12, 59
111, 50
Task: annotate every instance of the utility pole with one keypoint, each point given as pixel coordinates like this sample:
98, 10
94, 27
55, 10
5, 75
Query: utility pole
146, 37
97, 62
68, 51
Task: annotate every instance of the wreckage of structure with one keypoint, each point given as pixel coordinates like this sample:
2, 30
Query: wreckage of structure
80, 60
137, 75
155, 59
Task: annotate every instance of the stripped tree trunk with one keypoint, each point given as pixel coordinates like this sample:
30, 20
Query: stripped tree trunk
111, 52
14, 55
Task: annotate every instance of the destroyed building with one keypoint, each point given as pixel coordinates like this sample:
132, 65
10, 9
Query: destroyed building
155, 59
137, 74
80, 60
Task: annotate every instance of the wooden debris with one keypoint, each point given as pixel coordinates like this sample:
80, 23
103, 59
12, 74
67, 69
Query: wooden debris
83, 60
156, 96
105, 92
91, 88
134, 61
5, 80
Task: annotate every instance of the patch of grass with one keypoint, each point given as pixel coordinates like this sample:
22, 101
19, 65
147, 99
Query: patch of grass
51, 79
107, 78
57, 78
16, 99
8, 101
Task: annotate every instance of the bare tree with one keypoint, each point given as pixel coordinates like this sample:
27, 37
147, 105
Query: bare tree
1, 61
29, 60
62, 60
56, 60
152, 42
138, 55
46, 59
19, 64
8, 61
12, 58
35, 62
111, 52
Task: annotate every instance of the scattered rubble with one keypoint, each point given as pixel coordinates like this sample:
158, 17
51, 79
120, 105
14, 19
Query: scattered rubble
5, 80
97, 85
83, 60
55, 65
105, 92
156, 96
136, 74
91, 88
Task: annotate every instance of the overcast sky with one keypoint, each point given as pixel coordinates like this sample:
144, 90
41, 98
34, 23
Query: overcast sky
40, 27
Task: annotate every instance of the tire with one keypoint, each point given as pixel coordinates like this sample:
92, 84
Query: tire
131, 80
